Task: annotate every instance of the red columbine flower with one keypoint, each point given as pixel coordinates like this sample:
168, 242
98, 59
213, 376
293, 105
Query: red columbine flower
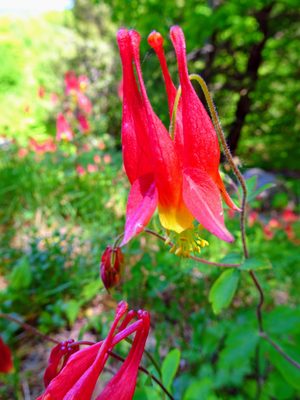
63, 129
6, 364
180, 176
78, 378
110, 267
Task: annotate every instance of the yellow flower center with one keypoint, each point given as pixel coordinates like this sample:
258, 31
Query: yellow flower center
186, 242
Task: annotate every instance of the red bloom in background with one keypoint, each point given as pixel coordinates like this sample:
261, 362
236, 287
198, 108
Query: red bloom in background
78, 378
63, 129
80, 170
84, 103
83, 123
41, 92
71, 82
6, 364
47, 146
181, 176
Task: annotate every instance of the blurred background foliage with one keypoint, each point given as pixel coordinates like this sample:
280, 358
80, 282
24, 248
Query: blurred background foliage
56, 221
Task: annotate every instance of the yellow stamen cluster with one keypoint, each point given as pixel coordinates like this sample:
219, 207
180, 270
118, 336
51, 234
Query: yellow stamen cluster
186, 242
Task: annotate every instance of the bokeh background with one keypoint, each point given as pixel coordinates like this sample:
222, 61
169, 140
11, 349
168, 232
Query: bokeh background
63, 201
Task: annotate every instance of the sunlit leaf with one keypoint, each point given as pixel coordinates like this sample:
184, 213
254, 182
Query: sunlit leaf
223, 290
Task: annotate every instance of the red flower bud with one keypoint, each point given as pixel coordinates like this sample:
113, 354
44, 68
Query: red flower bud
58, 358
110, 267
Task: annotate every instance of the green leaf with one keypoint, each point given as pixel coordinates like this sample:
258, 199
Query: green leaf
232, 258
256, 263
21, 276
146, 393
223, 290
290, 373
251, 184
169, 367
199, 390
251, 196
91, 289
251, 188
71, 309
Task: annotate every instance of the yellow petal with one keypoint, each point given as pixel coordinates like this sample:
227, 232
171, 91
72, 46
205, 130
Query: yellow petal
175, 219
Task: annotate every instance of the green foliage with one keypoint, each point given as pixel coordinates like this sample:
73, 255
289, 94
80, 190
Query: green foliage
223, 290
169, 367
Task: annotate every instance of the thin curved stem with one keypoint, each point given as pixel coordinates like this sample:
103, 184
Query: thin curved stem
117, 239
261, 301
198, 259
240, 178
279, 350
28, 327
217, 125
174, 111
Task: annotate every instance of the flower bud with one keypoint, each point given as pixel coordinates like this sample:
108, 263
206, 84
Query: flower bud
110, 266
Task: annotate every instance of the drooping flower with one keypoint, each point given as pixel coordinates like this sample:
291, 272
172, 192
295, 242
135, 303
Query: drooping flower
180, 175
63, 129
78, 378
6, 363
110, 266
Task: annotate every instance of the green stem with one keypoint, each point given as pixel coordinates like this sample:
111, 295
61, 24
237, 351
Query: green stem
174, 112
198, 259
28, 327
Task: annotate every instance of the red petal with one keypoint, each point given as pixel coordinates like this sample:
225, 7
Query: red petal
135, 142
167, 167
224, 194
71, 373
202, 197
78, 378
156, 41
142, 202
201, 147
6, 363
122, 385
